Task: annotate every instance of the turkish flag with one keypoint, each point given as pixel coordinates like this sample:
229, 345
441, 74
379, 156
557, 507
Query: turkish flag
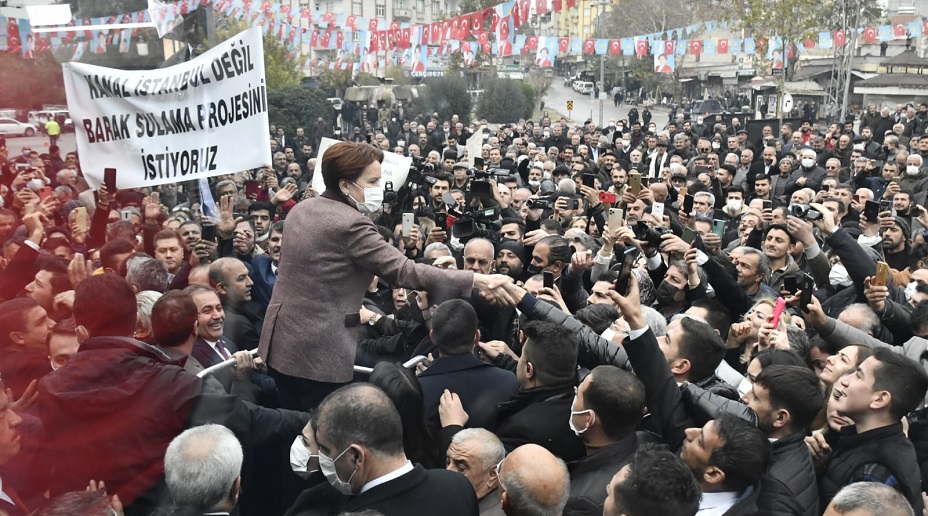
455, 28
641, 48
476, 22
325, 39
870, 34
563, 44
382, 39
531, 43
615, 48
723, 46
840, 37
352, 22
525, 7
372, 25
494, 20
556, 6
328, 17
483, 38
571, 4
407, 34
589, 46
486, 48
436, 33
668, 47
394, 25
339, 39
791, 51
808, 43
695, 47
445, 29
305, 13
899, 30
541, 7
314, 38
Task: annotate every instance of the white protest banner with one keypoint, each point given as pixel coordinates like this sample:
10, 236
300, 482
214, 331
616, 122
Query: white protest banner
193, 120
395, 168
474, 147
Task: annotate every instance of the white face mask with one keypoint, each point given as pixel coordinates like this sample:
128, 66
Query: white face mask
570, 420
534, 183
716, 145
373, 199
912, 170
838, 277
626, 143
300, 457
808, 162
744, 387
859, 147
734, 204
327, 465
910, 290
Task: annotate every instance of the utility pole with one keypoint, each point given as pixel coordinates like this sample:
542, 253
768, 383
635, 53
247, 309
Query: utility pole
602, 86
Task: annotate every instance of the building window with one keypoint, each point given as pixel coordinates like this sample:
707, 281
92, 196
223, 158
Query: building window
436, 8
381, 10
357, 8
420, 6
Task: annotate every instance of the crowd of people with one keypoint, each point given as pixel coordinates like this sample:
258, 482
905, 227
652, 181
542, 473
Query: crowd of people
619, 320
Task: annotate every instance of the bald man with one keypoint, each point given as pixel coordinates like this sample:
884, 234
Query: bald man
479, 256
533, 481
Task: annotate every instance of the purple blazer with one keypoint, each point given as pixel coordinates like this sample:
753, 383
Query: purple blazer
330, 255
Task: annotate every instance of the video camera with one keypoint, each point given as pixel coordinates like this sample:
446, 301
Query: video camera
649, 235
804, 212
477, 224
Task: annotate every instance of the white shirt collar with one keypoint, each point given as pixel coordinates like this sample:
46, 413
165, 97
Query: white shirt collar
713, 504
406, 468
3, 496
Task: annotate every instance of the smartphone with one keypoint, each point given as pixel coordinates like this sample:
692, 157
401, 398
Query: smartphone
768, 205
252, 188
806, 298
607, 197
441, 220
45, 192
589, 180
634, 183
688, 236
625, 273
826, 188
882, 273
886, 205
125, 215
209, 232
368, 137
408, 220
616, 218
855, 198
683, 191
790, 285
478, 162
109, 179
777, 312
657, 209
646, 181
548, 279
80, 218
718, 227
575, 204
688, 204
872, 211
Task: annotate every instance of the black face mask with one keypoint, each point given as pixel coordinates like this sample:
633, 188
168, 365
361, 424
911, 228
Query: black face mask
666, 294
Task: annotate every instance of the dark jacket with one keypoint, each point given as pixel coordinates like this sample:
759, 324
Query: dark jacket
540, 416
481, 386
881, 455
590, 475
111, 413
789, 486
425, 492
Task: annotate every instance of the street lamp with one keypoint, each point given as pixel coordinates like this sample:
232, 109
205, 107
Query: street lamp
600, 11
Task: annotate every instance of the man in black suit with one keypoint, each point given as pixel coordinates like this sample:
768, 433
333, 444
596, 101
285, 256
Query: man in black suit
202, 468
230, 278
547, 374
481, 386
360, 438
211, 347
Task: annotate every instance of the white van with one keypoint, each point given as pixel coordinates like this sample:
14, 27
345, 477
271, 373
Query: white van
583, 87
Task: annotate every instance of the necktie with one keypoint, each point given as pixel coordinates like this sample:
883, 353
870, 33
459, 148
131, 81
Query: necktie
16, 501
222, 350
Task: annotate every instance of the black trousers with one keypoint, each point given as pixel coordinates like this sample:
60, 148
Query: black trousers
297, 393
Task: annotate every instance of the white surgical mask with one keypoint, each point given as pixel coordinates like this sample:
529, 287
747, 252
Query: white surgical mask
744, 386
808, 162
733, 204
573, 413
716, 145
327, 465
912, 170
626, 143
910, 290
859, 147
838, 277
300, 457
373, 199
534, 183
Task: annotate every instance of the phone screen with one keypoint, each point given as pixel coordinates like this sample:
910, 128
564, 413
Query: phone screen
628, 262
688, 235
688, 204
109, 179
872, 211
548, 279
